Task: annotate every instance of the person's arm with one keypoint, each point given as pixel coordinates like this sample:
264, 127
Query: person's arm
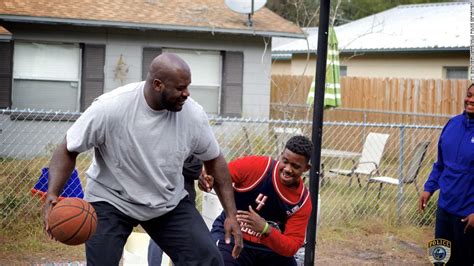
431, 185
242, 172
205, 182
223, 186
60, 168
288, 242
284, 243
87, 132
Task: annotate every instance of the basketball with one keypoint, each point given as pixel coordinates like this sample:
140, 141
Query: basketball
72, 221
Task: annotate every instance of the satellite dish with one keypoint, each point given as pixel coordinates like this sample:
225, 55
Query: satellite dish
245, 6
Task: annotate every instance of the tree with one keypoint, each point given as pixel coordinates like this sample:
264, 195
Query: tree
356, 9
305, 13
302, 12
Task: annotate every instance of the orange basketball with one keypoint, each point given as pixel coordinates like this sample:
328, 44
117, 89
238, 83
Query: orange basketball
72, 221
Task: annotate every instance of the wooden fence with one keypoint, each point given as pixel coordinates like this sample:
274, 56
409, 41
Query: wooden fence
388, 95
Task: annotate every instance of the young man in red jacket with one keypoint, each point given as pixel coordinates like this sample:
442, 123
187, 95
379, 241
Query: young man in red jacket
273, 205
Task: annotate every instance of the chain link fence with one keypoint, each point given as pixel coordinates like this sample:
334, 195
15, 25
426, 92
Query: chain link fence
292, 111
28, 139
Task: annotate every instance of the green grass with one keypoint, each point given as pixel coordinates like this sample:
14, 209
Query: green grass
346, 212
22, 239
25, 241
343, 204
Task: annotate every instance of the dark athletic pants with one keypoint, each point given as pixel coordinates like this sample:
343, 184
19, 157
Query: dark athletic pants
181, 233
250, 256
450, 227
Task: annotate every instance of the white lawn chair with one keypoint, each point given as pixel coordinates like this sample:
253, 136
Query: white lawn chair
369, 160
411, 173
135, 251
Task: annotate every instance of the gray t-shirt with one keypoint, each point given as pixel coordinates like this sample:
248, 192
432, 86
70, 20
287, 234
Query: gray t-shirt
139, 152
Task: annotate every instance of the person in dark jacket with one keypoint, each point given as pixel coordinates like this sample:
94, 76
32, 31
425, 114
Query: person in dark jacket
453, 175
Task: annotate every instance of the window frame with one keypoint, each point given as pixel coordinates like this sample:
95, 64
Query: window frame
447, 69
343, 70
16, 77
217, 85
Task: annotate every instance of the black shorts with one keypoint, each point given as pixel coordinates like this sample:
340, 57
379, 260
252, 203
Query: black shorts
181, 233
250, 256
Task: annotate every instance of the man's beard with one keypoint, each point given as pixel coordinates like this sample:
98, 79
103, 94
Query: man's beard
173, 106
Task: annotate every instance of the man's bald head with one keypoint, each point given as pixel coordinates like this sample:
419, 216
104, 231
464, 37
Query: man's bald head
166, 65
166, 86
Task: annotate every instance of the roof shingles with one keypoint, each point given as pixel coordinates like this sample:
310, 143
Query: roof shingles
4, 31
193, 14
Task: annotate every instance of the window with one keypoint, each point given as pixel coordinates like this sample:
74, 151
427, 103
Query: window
457, 72
343, 71
206, 71
46, 76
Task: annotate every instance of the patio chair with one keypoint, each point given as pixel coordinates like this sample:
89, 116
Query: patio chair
369, 160
411, 173
135, 251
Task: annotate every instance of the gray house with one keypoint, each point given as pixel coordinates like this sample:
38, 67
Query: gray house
61, 54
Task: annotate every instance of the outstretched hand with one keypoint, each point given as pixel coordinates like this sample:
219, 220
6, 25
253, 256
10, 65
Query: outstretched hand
252, 220
469, 220
205, 182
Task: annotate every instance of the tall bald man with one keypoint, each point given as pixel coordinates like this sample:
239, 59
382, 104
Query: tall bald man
141, 134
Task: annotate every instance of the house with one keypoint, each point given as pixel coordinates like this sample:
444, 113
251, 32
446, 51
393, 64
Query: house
5, 68
408, 41
61, 54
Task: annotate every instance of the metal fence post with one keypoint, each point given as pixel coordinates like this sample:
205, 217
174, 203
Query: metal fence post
364, 131
400, 178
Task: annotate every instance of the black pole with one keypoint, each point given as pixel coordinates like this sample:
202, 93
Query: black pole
317, 130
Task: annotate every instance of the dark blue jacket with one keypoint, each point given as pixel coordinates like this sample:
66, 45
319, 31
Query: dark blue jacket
453, 173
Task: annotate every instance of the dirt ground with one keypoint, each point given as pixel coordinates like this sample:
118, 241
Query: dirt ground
376, 249
333, 248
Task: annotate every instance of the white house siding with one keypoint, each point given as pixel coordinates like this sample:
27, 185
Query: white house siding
427, 65
130, 43
402, 66
257, 76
